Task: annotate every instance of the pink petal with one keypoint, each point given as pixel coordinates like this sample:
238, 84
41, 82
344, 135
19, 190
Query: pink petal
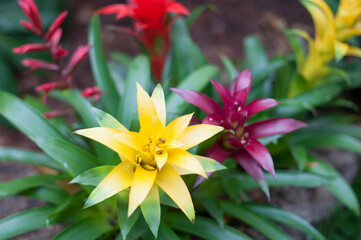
273, 126
35, 64
216, 152
80, 54
207, 104
243, 81
223, 92
61, 52
259, 105
249, 164
35, 16
31, 47
56, 24
55, 39
31, 27
260, 154
213, 119
175, 7
31, 11
122, 10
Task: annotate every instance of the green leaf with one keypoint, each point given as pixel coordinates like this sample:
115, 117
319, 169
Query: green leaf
308, 100
107, 120
33, 125
284, 178
151, 210
198, 11
93, 176
204, 228
166, 233
58, 122
89, 229
212, 208
73, 159
28, 157
139, 72
341, 141
100, 68
10, 188
339, 187
196, 81
84, 109
49, 193
126, 224
210, 165
187, 57
282, 81
296, 45
7, 78
255, 54
254, 220
230, 68
24, 222
286, 218
299, 153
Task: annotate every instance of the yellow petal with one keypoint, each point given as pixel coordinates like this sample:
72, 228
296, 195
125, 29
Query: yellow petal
171, 183
196, 134
104, 136
345, 34
148, 118
142, 183
177, 126
132, 139
340, 50
354, 51
161, 159
159, 103
117, 180
183, 159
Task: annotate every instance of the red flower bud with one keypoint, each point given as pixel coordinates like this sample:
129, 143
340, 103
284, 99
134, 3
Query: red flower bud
35, 64
31, 47
93, 92
80, 54
31, 27
56, 25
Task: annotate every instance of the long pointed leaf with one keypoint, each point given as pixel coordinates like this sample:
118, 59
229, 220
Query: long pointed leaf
88, 229
254, 220
28, 157
100, 68
10, 188
24, 222
204, 228
286, 218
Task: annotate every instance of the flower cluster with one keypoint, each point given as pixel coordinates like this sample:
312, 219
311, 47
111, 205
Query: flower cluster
154, 157
240, 141
151, 26
331, 35
51, 43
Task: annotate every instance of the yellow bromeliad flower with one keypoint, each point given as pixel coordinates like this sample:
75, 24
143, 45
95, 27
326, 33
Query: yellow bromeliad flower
154, 157
331, 36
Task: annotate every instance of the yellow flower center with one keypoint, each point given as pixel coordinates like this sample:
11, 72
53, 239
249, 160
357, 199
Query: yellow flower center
147, 158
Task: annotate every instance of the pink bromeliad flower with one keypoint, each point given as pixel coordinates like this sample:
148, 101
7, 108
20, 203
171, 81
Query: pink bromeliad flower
150, 24
240, 141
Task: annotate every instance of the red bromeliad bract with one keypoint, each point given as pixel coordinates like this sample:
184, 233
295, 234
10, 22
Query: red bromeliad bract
151, 24
240, 141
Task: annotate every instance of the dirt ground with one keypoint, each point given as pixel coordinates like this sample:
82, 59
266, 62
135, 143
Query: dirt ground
218, 31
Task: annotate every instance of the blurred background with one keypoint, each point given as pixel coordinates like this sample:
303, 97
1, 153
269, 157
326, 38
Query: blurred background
220, 30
